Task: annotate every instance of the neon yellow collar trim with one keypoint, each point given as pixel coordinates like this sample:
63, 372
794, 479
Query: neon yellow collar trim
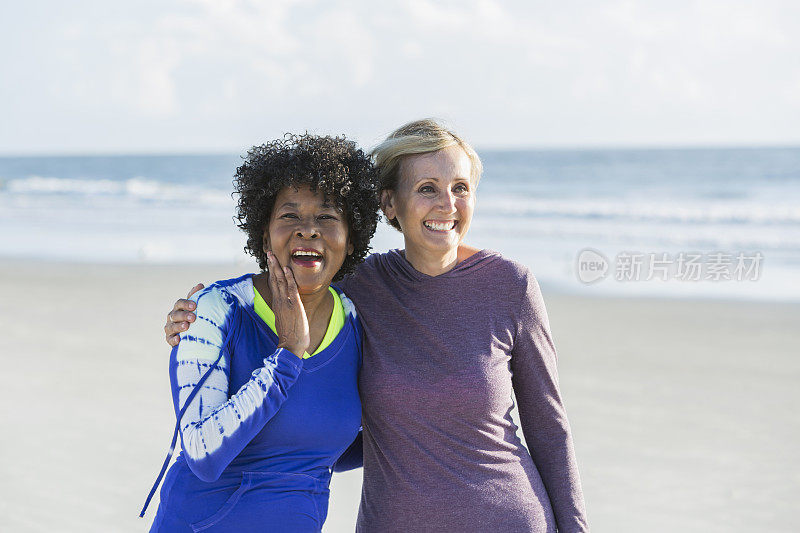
335, 324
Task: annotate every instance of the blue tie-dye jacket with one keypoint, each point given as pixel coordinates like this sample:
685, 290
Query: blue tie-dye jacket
260, 411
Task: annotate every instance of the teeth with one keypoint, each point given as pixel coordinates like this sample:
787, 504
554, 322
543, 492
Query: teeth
307, 254
440, 226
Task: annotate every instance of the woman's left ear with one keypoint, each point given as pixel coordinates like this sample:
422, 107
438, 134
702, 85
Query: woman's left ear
350, 247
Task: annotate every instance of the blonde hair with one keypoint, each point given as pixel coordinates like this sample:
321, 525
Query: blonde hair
418, 137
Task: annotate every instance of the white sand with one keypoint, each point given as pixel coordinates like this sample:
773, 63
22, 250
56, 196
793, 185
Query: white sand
684, 413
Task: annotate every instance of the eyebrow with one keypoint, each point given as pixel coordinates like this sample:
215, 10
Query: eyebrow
295, 205
429, 178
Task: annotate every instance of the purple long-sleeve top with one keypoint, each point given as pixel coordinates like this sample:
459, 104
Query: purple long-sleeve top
442, 357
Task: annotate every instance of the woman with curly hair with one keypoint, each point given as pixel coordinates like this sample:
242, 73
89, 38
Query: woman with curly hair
264, 381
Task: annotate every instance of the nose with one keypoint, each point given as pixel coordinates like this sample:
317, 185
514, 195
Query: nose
447, 201
307, 231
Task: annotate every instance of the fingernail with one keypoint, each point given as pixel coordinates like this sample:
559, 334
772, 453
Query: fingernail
184, 326
190, 316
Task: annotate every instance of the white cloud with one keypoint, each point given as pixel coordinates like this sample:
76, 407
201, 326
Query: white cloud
155, 89
212, 73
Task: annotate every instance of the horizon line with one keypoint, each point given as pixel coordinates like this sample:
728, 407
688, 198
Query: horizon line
479, 149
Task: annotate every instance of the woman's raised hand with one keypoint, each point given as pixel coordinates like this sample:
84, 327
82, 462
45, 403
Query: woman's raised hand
180, 317
291, 322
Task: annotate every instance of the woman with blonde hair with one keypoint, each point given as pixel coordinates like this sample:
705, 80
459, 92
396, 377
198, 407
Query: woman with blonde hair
451, 334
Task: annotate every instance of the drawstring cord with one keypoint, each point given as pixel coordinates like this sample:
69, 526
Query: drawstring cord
175, 434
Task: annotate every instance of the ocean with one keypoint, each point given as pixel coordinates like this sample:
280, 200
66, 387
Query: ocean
706, 223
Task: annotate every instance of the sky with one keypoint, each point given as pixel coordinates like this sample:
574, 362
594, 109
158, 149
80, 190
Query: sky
221, 75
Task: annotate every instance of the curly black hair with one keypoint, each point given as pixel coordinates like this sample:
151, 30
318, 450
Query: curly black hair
333, 165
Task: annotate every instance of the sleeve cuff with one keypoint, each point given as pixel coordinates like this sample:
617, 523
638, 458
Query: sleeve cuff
282, 355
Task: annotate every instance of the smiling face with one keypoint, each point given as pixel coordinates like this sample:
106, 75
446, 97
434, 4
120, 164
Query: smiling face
433, 202
309, 235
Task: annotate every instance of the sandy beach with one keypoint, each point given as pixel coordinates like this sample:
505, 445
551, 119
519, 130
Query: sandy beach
684, 413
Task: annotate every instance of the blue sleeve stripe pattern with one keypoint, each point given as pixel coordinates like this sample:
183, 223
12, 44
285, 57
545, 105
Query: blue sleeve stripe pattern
213, 428
212, 439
